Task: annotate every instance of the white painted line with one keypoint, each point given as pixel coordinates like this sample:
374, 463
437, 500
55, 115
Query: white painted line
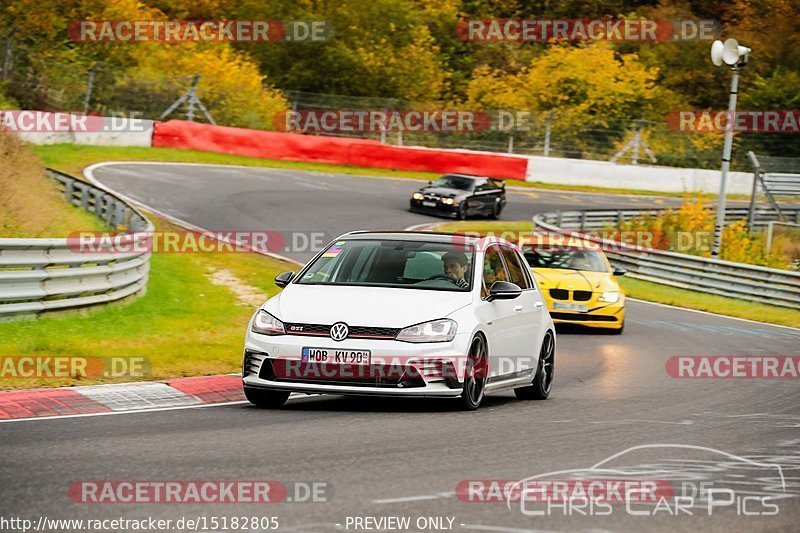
714, 314
89, 173
635, 421
426, 497
424, 227
132, 411
294, 396
502, 529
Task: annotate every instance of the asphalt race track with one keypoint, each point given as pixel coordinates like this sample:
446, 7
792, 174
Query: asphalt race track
380, 458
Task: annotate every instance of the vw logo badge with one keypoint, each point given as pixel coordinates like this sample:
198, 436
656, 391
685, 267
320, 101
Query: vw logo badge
339, 331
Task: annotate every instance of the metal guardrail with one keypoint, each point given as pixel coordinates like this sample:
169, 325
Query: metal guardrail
38, 275
725, 278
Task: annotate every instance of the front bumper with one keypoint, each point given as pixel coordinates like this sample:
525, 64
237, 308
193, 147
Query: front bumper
440, 208
397, 368
607, 316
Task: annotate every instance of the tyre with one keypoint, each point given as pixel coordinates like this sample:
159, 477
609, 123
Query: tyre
266, 399
461, 214
542, 383
475, 375
497, 208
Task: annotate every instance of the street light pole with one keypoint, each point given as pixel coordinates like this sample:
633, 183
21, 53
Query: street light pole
735, 56
726, 163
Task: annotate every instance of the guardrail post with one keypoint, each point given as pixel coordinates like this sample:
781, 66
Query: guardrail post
583, 220
620, 219
559, 218
68, 190
119, 213
98, 204
85, 198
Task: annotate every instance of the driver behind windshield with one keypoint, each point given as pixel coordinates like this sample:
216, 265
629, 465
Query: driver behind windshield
581, 261
455, 266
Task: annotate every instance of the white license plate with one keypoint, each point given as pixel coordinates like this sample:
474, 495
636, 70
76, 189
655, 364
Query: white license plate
336, 356
429, 204
566, 306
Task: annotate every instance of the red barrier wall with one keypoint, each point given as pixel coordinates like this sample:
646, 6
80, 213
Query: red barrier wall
334, 150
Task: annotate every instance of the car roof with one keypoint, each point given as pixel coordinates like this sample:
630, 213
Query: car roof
423, 236
473, 177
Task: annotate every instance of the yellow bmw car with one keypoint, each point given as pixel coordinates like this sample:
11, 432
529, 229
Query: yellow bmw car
577, 280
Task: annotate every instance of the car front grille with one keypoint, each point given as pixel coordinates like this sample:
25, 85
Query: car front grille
355, 332
563, 294
559, 294
252, 363
583, 317
294, 371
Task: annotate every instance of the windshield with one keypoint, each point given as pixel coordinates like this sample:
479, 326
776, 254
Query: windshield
455, 182
393, 263
568, 258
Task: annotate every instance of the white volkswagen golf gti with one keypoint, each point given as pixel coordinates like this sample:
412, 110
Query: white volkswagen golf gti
403, 314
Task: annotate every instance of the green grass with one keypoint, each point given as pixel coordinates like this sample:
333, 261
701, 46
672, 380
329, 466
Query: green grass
653, 292
73, 159
184, 325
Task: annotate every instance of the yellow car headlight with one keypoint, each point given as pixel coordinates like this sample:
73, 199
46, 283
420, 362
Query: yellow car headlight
609, 297
448, 201
418, 196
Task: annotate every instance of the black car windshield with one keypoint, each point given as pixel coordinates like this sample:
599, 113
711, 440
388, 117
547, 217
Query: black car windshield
393, 263
455, 182
564, 257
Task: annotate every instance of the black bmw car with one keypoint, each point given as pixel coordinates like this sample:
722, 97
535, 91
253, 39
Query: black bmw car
461, 195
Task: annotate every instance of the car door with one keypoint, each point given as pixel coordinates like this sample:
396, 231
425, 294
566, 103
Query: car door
529, 318
498, 317
485, 195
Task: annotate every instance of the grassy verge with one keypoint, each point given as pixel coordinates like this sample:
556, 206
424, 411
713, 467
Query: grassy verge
31, 206
184, 326
653, 292
73, 158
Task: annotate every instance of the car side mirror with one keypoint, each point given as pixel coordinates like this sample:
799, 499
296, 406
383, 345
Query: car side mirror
619, 271
430, 183
503, 290
283, 279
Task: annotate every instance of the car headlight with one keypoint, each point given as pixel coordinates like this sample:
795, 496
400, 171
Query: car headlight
267, 324
610, 297
442, 330
449, 201
418, 196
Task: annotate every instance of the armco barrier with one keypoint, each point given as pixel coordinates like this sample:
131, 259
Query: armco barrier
724, 278
38, 275
334, 150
